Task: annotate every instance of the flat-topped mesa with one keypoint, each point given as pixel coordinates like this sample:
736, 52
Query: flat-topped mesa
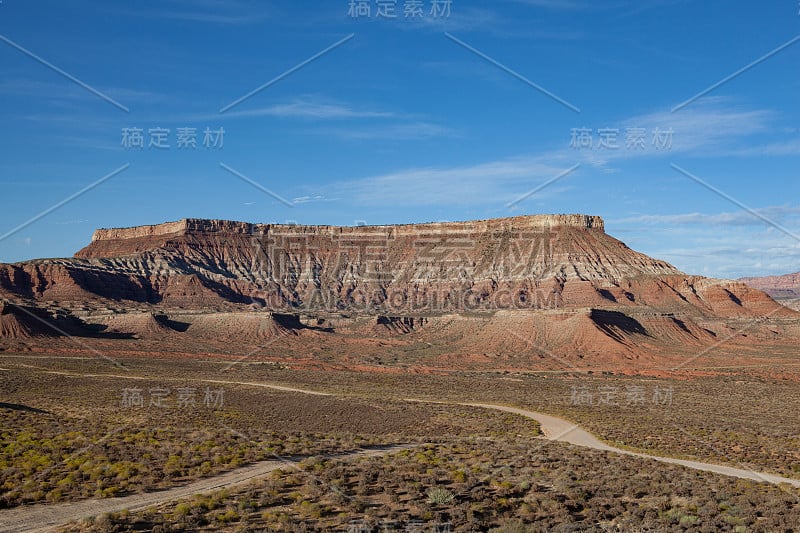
191, 226
533, 261
181, 227
585, 222
117, 242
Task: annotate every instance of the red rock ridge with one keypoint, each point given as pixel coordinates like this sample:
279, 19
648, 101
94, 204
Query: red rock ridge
525, 262
557, 282
786, 286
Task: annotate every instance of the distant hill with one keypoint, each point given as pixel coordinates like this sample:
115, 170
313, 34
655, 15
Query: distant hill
784, 288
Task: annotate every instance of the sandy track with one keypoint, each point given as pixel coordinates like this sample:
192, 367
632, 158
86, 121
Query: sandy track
268, 386
43, 517
561, 430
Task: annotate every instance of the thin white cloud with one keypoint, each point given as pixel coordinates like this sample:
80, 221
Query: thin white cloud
56, 90
496, 182
309, 109
778, 148
724, 245
373, 123
713, 127
227, 12
312, 198
402, 131
560, 5
734, 257
712, 124
627, 6
461, 19
738, 218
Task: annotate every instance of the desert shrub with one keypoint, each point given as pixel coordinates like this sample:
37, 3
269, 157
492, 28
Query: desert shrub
440, 496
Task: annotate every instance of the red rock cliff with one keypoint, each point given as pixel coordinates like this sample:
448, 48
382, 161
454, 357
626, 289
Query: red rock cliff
528, 262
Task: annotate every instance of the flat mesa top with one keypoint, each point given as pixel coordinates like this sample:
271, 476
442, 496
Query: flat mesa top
196, 225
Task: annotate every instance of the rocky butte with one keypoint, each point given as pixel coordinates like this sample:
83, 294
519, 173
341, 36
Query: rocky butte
557, 282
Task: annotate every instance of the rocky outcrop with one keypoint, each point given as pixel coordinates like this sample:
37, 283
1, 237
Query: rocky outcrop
18, 322
533, 285
528, 262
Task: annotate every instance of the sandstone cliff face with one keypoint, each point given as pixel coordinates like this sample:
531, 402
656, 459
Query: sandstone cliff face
528, 262
533, 285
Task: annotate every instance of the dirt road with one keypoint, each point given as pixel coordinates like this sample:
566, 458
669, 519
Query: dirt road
44, 517
558, 429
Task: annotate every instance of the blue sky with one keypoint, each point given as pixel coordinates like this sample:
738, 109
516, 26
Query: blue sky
482, 112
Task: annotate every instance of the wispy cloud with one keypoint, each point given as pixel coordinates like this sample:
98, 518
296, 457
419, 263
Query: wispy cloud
493, 19
727, 255
626, 6
51, 90
227, 12
714, 122
711, 125
310, 109
462, 18
344, 121
499, 181
312, 198
399, 131
714, 127
738, 218
777, 148
726, 245
568, 5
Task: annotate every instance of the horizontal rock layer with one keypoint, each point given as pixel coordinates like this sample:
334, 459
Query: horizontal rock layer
526, 262
786, 286
196, 225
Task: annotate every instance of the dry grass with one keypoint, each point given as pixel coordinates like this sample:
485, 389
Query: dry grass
65, 438
496, 473
509, 484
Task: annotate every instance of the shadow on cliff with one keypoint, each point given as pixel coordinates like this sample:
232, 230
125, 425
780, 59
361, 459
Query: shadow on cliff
25, 321
617, 325
116, 286
140, 289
